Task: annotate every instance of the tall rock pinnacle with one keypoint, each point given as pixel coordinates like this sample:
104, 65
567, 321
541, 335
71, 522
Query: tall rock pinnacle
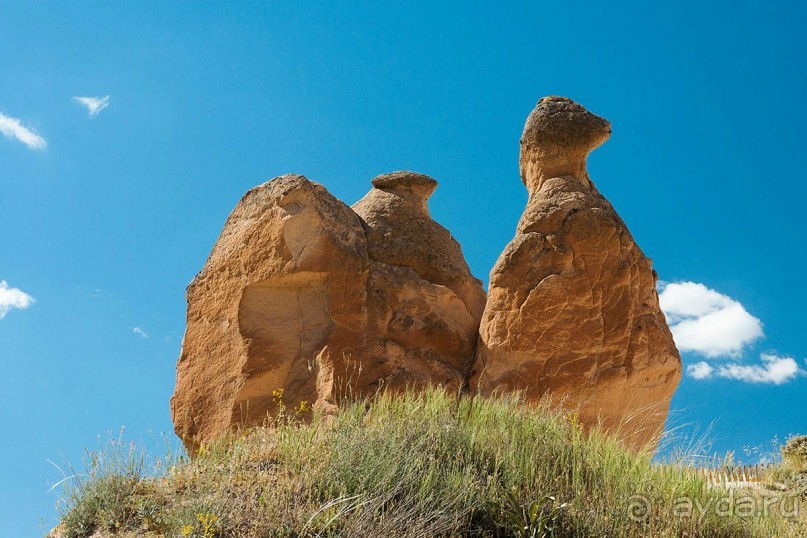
572, 309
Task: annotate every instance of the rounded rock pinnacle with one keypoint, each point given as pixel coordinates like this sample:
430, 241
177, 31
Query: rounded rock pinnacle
557, 138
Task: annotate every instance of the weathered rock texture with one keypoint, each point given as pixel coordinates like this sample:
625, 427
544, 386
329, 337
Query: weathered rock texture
572, 310
424, 305
401, 232
303, 294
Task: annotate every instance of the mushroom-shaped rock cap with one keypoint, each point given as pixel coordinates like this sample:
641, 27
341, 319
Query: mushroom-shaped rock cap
559, 121
558, 136
419, 184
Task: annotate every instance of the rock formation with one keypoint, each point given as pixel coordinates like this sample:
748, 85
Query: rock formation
401, 232
424, 305
260, 311
303, 294
572, 307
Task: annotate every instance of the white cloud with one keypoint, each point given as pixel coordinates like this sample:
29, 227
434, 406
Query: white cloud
94, 104
707, 322
11, 298
700, 370
14, 129
140, 332
772, 369
714, 325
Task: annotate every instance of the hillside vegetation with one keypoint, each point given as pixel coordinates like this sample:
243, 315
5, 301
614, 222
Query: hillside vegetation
413, 465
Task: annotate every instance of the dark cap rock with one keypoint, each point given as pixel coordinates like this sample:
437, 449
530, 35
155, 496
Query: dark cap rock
559, 121
405, 180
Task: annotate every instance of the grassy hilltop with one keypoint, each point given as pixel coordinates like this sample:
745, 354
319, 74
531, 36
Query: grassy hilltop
415, 465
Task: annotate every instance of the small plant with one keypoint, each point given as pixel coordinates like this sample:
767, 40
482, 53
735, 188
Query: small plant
208, 525
573, 418
795, 452
535, 520
277, 397
301, 408
285, 413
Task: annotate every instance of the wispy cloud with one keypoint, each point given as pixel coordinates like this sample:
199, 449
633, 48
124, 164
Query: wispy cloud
13, 128
11, 298
707, 322
94, 105
700, 370
140, 332
772, 369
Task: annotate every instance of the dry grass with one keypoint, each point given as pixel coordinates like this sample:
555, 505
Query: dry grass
413, 465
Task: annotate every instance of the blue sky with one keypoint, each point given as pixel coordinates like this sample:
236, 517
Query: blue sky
105, 218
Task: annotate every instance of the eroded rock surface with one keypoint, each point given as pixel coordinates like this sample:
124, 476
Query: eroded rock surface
424, 303
303, 294
572, 309
284, 290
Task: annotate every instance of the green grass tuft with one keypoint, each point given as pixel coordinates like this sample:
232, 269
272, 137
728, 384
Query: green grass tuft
411, 465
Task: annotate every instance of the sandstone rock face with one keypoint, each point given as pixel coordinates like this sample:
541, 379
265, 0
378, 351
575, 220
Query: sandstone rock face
424, 304
303, 294
400, 232
284, 287
572, 310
